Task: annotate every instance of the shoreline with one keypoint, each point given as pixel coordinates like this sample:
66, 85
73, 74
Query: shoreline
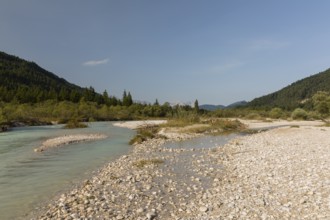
156, 183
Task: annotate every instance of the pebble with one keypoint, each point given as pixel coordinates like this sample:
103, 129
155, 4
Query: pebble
203, 209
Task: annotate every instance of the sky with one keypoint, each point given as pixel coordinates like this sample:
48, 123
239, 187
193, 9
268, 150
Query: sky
215, 51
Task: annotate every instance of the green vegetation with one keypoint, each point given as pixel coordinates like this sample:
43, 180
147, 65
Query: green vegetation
296, 95
144, 134
74, 123
216, 126
299, 113
26, 82
33, 95
36, 96
321, 103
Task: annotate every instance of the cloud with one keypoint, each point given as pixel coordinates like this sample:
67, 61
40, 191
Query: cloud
268, 45
95, 62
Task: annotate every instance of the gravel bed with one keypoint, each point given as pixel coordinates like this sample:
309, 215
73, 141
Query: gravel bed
279, 174
68, 139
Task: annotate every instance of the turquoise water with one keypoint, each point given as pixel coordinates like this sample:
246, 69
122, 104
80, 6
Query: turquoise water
28, 178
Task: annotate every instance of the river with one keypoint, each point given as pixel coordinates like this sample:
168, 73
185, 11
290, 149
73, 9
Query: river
28, 178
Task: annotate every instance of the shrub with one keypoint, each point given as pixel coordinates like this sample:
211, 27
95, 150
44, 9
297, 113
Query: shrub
74, 123
253, 115
218, 126
299, 113
276, 113
144, 134
314, 115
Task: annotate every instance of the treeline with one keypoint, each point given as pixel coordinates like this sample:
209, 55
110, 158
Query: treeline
296, 95
64, 111
318, 108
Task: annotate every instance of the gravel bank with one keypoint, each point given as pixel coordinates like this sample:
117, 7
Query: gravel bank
68, 139
279, 174
139, 124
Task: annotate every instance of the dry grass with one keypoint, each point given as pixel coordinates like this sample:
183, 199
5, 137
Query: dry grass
145, 162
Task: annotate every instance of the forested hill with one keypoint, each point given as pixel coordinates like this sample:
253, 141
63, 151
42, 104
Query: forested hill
297, 94
27, 82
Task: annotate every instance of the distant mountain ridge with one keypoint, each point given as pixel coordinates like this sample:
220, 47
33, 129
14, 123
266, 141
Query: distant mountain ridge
297, 94
209, 107
25, 81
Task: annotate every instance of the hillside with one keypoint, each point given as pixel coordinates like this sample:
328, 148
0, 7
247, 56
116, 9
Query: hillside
297, 94
27, 82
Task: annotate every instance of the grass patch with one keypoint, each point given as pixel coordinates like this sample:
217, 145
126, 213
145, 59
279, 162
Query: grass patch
145, 162
220, 126
75, 124
206, 126
144, 134
326, 124
182, 121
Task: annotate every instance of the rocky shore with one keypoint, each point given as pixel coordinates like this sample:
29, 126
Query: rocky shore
68, 139
279, 174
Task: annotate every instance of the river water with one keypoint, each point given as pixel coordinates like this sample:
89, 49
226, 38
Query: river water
28, 178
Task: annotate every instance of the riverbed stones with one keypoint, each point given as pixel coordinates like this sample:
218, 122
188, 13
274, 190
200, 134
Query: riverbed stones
278, 174
68, 139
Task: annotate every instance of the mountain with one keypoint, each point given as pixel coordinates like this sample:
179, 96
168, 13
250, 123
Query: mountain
27, 82
216, 107
237, 104
297, 94
211, 107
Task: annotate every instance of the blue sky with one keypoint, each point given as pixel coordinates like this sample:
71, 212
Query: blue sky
217, 52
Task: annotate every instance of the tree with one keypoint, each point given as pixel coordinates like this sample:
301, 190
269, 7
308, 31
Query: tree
127, 99
106, 98
196, 106
276, 113
2, 117
321, 103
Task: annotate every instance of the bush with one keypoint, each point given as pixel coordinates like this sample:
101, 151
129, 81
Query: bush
144, 134
314, 115
276, 113
299, 113
74, 123
253, 115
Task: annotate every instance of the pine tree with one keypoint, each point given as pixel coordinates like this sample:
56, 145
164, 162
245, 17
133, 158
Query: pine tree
196, 106
106, 98
127, 99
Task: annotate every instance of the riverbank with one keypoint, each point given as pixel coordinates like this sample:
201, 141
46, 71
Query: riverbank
279, 174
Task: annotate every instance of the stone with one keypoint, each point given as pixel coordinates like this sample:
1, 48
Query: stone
152, 214
203, 209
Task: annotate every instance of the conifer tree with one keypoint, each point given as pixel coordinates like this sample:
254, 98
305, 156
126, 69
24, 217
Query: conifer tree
196, 106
